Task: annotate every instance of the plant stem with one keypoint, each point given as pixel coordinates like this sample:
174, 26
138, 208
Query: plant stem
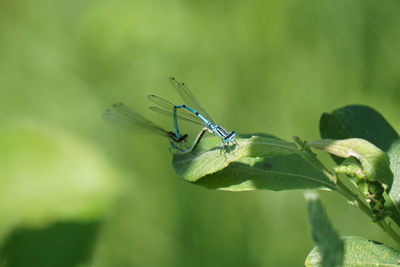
350, 195
346, 191
389, 230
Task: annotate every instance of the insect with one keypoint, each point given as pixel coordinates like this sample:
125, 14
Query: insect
122, 115
191, 111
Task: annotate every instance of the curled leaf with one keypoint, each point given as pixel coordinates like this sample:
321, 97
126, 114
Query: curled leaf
358, 121
374, 162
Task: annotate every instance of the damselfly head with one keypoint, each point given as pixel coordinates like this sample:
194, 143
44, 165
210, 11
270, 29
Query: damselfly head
230, 136
226, 135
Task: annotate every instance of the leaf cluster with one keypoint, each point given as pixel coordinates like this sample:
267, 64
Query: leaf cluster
366, 151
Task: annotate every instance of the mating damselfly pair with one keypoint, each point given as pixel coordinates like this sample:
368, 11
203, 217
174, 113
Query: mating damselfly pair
191, 111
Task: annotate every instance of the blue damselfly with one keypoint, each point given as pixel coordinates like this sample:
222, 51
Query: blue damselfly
191, 111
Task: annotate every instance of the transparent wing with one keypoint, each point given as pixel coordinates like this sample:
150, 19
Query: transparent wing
167, 108
170, 113
122, 115
189, 98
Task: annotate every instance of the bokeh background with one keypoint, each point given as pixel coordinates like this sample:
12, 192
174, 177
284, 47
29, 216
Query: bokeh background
75, 191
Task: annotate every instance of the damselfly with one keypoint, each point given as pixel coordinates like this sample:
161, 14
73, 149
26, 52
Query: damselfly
191, 112
124, 116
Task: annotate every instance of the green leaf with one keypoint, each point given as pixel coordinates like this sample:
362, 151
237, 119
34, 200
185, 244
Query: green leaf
256, 163
330, 246
375, 163
359, 251
394, 156
210, 158
359, 122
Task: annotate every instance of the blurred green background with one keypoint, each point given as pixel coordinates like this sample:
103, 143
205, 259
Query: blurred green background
75, 191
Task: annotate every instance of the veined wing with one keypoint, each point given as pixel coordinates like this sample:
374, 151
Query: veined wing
167, 108
170, 113
122, 115
189, 98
